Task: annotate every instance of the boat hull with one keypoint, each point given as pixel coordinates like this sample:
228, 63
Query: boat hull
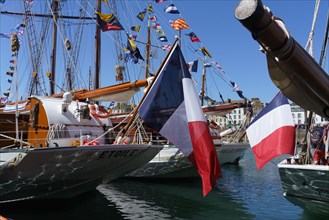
306, 186
67, 171
171, 163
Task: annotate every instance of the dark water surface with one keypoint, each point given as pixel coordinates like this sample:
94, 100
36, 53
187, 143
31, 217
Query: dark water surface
242, 193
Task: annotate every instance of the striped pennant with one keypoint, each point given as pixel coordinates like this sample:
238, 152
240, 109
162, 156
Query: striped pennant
179, 24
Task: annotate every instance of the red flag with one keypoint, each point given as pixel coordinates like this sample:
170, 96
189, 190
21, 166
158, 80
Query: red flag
166, 47
193, 37
156, 26
153, 18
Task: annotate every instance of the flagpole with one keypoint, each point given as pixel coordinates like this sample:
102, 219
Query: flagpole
125, 129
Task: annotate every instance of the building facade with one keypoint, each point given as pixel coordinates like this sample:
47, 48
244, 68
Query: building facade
237, 116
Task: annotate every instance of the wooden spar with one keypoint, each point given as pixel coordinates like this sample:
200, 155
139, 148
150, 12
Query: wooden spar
83, 95
134, 113
53, 55
47, 15
217, 108
97, 49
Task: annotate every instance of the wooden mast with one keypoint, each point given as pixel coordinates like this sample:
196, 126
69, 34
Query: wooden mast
53, 55
203, 84
98, 48
148, 44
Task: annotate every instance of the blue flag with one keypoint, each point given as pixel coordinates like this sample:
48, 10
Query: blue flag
237, 90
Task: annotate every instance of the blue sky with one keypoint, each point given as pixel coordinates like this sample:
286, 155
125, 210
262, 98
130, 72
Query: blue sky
213, 21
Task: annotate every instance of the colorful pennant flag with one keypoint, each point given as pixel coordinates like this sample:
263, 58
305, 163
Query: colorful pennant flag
132, 51
237, 90
207, 99
5, 35
9, 73
135, 28
193, 66
193, 37
163, 39
205, 52
20, 32
12, 61
149, 8
166, 47
106, 2
132, 36
218, 66
108, 22
153, 18
131, 46
156, 26
3, 100
272, 132
179, 24
12, 68
160, 32
9, 80
141, 15
171, 9
159, 1
6, 94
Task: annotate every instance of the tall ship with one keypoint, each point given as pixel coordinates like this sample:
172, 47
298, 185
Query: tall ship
68, 118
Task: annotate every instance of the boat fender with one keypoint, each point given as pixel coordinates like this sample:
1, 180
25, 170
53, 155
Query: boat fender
118, 140
127, 140
91, 143
98, 111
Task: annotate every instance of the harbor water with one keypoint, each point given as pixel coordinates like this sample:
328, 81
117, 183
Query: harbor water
241, 193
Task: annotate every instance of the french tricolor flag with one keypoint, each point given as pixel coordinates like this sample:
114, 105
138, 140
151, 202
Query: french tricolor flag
172, 108
272, 132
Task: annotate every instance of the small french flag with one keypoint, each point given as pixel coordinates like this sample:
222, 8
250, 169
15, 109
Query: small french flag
272, 132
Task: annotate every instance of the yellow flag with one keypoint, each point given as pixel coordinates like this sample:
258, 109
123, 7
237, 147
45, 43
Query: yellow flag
105, 1
205, 52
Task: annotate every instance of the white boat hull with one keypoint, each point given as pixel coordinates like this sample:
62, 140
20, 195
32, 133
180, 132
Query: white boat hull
306, 186
66, 171
171, 163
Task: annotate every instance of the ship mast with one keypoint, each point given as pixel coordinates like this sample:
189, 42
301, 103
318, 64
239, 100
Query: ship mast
148, 44
54, 45
203, 84
204, 78
98, 48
